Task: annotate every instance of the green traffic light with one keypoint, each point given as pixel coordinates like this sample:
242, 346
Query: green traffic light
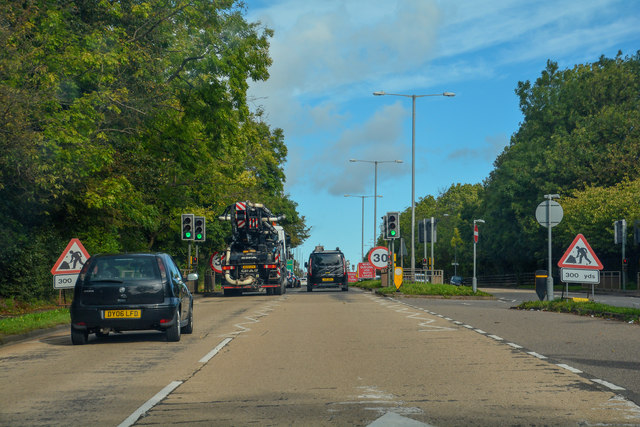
198, 236
393, 232
187, 234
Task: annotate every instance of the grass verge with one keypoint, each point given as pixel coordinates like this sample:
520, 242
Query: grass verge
589, 308
446, 291
31, 321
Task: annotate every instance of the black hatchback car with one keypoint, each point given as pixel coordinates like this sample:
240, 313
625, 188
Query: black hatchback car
327, 269
123, 292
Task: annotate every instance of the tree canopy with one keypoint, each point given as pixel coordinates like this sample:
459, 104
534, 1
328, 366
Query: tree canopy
118, 116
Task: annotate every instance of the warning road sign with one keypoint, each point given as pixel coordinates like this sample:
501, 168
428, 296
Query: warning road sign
580, 255
72, 259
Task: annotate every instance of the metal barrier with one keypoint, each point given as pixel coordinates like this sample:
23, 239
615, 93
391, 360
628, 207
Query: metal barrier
423, 276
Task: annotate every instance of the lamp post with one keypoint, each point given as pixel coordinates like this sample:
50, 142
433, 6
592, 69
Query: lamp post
549, 198
375, 189
413, 164
475, 240
362, 245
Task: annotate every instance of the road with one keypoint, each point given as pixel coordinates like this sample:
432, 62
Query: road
320, 358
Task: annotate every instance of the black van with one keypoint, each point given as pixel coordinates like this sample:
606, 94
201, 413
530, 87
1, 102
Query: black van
327, 269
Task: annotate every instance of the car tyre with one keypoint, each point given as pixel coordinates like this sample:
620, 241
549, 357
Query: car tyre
79, 337
189, 328
173, 332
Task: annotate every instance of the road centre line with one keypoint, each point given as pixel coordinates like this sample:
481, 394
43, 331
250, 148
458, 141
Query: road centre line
495, 337
215, 351
607, 384
539, 356
569, 368
514, 345
480, 331
131, 419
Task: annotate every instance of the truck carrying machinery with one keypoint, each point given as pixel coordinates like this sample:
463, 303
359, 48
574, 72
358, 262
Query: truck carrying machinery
256, 257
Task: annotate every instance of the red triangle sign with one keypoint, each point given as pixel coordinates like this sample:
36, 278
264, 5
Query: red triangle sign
72, 259
580, 255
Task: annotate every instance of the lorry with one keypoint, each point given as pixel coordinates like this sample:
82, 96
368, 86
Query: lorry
256, 256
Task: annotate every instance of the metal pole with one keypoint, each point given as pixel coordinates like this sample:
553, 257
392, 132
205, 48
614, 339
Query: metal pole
624, 244
475, 280
550, 296
413, 186
362, 238
424, 236
433, 237
375, 202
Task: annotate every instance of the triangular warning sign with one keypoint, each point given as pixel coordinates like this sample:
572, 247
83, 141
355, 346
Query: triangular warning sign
580, 255
72, 259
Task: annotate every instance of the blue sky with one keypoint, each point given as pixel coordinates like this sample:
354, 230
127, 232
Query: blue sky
330, 56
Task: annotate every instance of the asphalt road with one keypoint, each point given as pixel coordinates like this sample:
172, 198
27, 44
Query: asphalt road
320, 358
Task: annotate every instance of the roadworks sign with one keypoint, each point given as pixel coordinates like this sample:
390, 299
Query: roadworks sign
72, 259
580, 255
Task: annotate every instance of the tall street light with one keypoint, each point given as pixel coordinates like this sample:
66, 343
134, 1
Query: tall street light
413, 165
362, 245
375, 190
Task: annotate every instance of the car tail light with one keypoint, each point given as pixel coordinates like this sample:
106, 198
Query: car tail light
270, 266
162, 321
228, 267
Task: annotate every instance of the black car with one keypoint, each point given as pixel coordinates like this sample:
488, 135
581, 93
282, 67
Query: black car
123, 292
327, 269
456, 280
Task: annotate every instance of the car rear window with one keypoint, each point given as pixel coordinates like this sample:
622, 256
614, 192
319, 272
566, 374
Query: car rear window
125, 268
324, 260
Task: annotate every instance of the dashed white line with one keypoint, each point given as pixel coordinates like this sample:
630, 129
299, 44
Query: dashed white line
495, 337
539, 356
131, 419
480, 331
215, 351
514, 345
569, 368
607, 384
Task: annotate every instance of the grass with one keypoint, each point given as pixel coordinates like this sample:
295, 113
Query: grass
446, 291
585, 308
18, 317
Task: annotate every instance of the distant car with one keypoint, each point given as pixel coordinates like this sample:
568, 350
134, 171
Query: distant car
327, 269
456, 280
122, 292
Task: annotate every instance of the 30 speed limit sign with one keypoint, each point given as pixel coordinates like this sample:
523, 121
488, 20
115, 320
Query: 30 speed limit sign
379, 257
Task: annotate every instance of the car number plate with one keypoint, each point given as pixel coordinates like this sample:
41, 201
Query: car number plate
327, 279
249, 267
122, 314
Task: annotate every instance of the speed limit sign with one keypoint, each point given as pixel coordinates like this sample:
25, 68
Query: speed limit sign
379, 257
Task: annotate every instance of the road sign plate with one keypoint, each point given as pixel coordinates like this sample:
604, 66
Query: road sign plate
72, 259
65, 281
379, 257
579, 275
580, 255
555, 213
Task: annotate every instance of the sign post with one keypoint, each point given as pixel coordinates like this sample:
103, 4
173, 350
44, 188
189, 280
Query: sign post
549, 214
579, 264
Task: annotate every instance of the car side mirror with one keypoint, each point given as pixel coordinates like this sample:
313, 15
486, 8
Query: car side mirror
306, 265
192, 276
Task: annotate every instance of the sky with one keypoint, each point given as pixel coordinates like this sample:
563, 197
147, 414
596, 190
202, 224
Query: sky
329, 56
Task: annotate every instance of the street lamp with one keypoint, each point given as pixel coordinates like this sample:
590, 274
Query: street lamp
362, 246
475, 240
549, 198
413, 164
375, 189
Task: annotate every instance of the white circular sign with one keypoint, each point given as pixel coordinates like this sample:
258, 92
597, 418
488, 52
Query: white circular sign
216, 263
555, 213
379, 257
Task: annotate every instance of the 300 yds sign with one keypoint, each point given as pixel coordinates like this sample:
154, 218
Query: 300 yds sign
379, 257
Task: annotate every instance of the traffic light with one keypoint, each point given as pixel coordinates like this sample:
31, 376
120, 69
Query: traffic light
200, 224
625, 264
393, 225
187, 226
425, 234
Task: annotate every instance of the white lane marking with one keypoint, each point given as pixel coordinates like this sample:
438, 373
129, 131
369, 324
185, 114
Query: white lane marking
468, 326
569, 368
480, 331
539, 356
215, 351
514, 345
495, 337
607, 384
131, 419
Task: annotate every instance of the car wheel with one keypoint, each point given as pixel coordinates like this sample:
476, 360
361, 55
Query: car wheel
173, 332
345, 289
309, 288
79, 337
189, 328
